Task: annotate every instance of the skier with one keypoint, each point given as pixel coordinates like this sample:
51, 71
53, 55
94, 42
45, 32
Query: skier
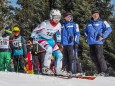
5, 51
19, 50
46, 31
70, 39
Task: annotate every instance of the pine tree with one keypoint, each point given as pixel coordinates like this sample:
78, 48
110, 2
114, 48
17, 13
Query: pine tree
105, 7
5, 14
110, 47
31, 13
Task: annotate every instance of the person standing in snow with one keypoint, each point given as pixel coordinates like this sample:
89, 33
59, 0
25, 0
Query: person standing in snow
38, 54
45, 32
96, 31
70, 39
5, 51
19, 50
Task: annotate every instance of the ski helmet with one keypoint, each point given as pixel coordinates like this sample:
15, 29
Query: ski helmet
55, 14
16, 29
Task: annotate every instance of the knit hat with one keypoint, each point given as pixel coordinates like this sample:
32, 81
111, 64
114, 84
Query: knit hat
67, 13
95, 11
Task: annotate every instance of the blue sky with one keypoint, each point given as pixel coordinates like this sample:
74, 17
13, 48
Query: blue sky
13, 2
113, 1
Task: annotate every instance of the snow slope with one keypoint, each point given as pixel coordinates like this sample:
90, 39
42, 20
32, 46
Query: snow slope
18, 79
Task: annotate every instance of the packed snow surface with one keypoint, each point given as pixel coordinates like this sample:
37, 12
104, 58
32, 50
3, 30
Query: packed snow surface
20, 79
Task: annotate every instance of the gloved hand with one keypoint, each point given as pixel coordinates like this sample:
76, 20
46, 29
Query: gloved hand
26, 59
59, 45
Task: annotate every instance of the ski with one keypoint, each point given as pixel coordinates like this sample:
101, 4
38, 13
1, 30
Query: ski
85, 77
58, 76
63, 77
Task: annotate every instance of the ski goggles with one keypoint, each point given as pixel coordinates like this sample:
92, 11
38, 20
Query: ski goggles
56, 17
16, 32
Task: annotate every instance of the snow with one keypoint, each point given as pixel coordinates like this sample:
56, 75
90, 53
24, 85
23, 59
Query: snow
20, 79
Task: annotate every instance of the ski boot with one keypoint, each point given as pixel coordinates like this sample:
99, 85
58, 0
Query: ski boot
47, 71
60, 72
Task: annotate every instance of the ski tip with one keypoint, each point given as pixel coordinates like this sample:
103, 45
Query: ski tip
91, 78
86, 77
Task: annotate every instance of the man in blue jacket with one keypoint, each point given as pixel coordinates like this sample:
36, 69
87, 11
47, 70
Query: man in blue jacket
70, 38
96, 31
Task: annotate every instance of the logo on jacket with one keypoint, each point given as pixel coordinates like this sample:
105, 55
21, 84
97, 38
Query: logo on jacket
70, 26
89, 24
97, 24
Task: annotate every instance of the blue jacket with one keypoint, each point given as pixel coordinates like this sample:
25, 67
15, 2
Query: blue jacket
96, 28
69, 29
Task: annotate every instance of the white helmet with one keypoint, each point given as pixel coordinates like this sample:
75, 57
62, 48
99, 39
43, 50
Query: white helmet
55, 14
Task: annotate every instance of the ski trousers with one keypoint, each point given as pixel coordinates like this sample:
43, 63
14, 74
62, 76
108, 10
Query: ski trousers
19, 63
38, 58
96, 54
5, 61
51, 48
70, 59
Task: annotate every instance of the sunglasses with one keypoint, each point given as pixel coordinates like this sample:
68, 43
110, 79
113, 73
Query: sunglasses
16, 31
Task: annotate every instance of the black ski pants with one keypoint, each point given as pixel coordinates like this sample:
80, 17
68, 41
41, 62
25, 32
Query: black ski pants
38, 58
19, 63
67, 57
96, 54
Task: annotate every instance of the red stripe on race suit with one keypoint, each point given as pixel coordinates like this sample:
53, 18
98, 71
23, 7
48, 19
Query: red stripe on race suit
55, 47
45, 45
40, 41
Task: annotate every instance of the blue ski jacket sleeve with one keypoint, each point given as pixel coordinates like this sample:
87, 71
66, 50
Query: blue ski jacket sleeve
107, 29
